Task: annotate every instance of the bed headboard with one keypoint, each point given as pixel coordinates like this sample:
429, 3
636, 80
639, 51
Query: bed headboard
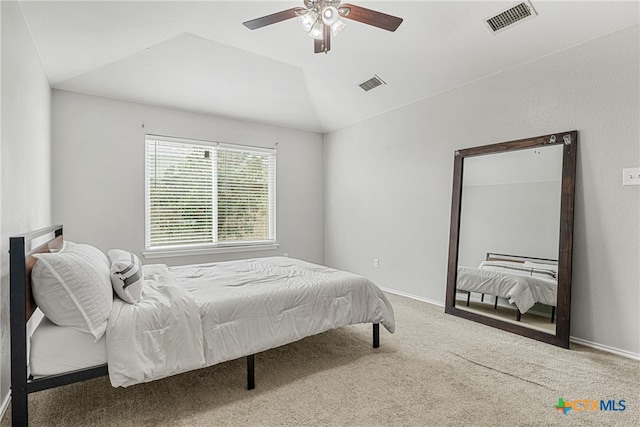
491, 256
22, 306
21, 262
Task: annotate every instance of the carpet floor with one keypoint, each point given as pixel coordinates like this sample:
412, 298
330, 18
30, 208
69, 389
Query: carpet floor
436, 370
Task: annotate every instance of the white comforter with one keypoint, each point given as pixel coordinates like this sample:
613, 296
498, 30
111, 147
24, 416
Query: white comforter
523, 291
199, 315
159, 336
253, 305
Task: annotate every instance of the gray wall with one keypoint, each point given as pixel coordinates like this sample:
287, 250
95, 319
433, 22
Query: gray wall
388, 179
25, 180
98, 173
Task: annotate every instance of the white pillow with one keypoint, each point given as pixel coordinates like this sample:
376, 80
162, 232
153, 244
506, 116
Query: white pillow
72, 287
519, 269
126, 275
531, 264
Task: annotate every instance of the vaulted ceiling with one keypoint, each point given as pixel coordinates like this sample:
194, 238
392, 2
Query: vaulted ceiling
197, 56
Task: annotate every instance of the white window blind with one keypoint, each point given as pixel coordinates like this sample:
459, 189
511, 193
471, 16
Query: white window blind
202, 194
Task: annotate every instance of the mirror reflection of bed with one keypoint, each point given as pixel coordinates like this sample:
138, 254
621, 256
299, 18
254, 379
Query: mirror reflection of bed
511, 204
511, 288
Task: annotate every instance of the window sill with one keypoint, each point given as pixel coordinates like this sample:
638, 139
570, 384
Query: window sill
166, 253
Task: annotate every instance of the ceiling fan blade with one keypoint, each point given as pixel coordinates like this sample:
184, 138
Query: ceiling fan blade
324, 45
273, 18
371, 17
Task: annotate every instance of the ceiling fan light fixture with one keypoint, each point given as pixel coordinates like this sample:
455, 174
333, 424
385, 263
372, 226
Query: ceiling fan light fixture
330, 15
317, 30
321, 20
307, 20
337, 27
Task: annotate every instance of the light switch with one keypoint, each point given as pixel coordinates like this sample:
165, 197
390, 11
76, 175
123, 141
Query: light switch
631, 176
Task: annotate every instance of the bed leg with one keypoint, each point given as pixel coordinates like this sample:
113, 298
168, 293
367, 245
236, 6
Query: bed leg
251, 373
376, 335
482, 298
495, 304
468, 298
518, 315
553, 314
19, 407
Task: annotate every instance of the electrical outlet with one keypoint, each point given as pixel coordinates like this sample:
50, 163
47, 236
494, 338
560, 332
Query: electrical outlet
631, 176
285, 254
376, 263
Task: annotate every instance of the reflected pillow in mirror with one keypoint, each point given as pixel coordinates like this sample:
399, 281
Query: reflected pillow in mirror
553, 267
519, 269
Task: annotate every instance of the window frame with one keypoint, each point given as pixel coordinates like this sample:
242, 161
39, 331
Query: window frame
216, 246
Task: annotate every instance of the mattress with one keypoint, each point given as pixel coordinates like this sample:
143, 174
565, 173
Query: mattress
56, 350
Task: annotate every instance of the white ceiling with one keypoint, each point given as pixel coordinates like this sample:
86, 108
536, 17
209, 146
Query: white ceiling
197, 56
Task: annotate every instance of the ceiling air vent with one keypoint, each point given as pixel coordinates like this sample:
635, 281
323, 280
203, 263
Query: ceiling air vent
372, 83
505, 19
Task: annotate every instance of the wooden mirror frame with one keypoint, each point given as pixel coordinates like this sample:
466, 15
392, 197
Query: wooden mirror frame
565, 241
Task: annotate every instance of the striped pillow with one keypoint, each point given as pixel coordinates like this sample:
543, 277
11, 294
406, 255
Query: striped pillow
519, 269
126, 275
552, 267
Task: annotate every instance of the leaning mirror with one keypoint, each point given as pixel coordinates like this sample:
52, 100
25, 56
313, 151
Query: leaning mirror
511, 238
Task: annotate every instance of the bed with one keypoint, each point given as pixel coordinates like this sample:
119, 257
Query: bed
523, 281
186, 317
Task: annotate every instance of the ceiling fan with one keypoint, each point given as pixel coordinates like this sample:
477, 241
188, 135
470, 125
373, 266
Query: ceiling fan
321, 20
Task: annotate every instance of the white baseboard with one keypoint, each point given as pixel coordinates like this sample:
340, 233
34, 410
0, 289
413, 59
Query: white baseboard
597, 346
5, 405
416, 297
606, 348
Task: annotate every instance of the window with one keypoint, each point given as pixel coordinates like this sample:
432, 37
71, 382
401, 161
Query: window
208, 195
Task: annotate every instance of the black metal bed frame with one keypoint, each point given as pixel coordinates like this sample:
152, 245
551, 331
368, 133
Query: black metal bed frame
495, 304
23, 384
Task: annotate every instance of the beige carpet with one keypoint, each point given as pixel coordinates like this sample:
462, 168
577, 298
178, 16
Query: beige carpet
436, 370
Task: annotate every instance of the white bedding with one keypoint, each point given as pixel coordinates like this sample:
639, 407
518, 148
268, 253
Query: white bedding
253, 305
200, 315
57, 349
523, 291
159, 336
